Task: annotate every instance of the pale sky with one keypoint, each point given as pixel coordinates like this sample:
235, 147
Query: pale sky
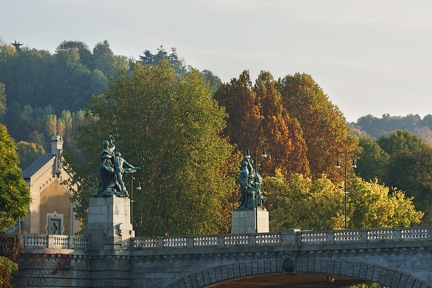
369, 57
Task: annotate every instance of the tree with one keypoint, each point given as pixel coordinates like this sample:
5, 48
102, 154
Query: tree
298, 202
105, 60
28, 152
399, 141
411, 171
373, 205
83, 50
323, 124
155, 59
15, 195
409, 167
170, 127
2, 100
9, 248
373, 161
257, 120
303, 203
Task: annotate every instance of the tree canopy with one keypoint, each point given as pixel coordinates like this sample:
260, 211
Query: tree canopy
170, 127
15, 194
303, 203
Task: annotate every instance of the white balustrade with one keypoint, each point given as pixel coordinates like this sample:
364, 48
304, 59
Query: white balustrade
236, 240
205, 241
226, 240
60, 241
174, 242
307, 236
274, 238
144, 242
415, 233
381, 234
347, 235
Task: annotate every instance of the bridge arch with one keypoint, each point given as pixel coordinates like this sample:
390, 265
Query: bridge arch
358, 269
343, 267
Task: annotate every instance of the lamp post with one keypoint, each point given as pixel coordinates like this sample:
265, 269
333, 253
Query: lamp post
263, 155
345, 183
131, 197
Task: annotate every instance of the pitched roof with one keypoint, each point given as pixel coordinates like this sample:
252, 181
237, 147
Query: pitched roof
37, 164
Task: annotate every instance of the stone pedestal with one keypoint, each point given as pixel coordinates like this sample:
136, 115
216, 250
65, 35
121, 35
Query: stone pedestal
109, 224
250, 221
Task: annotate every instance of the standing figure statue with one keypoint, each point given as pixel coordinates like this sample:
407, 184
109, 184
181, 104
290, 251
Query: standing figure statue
119, 170
250, 185
111, 171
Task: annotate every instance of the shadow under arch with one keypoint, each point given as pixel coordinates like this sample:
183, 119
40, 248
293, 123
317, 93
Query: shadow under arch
361, 270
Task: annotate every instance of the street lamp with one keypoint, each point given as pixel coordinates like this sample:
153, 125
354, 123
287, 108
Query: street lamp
131, 197
345, 183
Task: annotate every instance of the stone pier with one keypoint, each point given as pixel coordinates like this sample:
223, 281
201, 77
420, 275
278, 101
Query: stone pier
250, 221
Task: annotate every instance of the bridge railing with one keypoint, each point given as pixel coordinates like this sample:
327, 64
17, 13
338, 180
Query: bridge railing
289, 237
53, 241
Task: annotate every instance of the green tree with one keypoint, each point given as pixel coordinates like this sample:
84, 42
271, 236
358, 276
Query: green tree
15, 195
83, 50
51, 125
9, 247
409, 168
155, 59
372, 161
2, 100
411, 171
28, 152
372, 205
299, 202
399, 141
170, 127
104, 60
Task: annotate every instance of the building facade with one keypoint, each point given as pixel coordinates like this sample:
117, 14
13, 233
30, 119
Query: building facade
51, 210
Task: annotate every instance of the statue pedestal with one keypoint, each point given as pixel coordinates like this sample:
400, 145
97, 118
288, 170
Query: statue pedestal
109, 224
250, 221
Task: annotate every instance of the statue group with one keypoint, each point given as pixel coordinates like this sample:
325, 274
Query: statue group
250, 185
111, 171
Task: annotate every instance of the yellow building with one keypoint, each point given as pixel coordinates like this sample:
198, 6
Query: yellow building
51, 210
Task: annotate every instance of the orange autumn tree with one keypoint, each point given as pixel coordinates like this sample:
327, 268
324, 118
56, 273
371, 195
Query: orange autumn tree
257, 120
323, 124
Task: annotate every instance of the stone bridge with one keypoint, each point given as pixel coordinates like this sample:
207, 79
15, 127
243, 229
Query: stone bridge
397, 257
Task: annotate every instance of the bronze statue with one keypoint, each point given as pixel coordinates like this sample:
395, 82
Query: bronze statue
111, 172
250, 185
17, 45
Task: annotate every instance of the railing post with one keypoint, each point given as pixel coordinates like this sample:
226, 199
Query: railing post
50, 241
398, 234
330, 237
160, 242
71, 242
221, 241
190, 241
289, 237
252, 240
